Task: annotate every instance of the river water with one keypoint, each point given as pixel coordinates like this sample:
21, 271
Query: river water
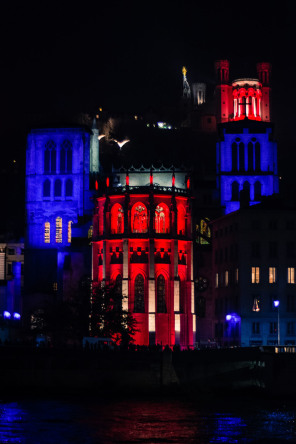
95, 420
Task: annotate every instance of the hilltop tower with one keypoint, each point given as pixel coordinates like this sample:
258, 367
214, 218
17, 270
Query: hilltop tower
246, 151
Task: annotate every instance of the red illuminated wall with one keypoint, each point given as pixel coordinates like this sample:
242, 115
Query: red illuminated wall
146, 240
244, 98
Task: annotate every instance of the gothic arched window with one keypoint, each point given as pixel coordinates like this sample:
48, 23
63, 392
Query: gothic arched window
139, 218
257, 190
234, 191
62, 160
46, 188
246, 189
50, 157
69, 231
47, 233
57, 188
117, 219
59, 230
234, 156
160, 294
69, 188
47, 160
66, 157
162, 219
257, 157
241, 148
250, 157
139, 304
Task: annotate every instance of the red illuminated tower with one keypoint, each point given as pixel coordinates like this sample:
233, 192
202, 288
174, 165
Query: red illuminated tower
142, 243
223, 92
244, 98
264, 72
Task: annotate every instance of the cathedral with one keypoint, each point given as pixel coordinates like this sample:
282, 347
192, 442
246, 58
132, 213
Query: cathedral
145, 229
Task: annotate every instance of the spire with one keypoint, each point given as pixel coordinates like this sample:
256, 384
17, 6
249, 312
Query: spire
94, 148
94, 124
186, 87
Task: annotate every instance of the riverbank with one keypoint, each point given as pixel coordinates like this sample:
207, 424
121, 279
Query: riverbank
37, 370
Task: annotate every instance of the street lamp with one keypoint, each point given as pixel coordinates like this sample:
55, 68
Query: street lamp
277, 305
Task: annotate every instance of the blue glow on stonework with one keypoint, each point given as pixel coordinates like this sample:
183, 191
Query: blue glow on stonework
57, 174
246, 161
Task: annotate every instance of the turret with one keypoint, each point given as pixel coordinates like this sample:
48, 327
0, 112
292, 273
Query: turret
264, 74
224, 102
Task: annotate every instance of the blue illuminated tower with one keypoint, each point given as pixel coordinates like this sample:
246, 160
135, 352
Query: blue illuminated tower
246, 156
60, 166
246, 163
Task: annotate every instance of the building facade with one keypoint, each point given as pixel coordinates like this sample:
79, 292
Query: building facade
142, 241
11, 284
60, 167
254, 260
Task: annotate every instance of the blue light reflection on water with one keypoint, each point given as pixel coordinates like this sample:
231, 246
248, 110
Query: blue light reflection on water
141, 421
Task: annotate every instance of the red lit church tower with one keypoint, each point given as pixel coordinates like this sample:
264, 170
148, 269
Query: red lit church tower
142, 242
242, 98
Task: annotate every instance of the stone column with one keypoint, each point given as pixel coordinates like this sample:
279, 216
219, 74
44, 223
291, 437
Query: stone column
125, 274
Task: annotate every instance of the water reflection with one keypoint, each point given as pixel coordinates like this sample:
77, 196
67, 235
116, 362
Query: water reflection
95, 421
11, 423
227, 429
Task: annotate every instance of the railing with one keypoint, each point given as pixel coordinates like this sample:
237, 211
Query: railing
147, 189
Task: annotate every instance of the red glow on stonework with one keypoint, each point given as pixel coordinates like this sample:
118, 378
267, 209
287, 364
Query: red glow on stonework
173, 180
151, 179
127, 180
108, 182
188, 183
96, 185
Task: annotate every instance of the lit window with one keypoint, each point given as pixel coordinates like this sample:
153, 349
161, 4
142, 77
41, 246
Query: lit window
291, 275
272, 275
58, 230
226, 278
69, 231
162, 223
117, 219
255, 275
47, 233
139, 219
217, 280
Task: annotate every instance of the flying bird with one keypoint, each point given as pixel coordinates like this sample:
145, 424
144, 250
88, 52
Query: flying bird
123, 142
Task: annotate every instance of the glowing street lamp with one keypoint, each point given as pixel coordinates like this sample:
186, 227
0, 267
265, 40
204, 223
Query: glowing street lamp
276, 304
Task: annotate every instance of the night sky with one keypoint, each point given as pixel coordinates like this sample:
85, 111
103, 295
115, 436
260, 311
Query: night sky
128, 56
